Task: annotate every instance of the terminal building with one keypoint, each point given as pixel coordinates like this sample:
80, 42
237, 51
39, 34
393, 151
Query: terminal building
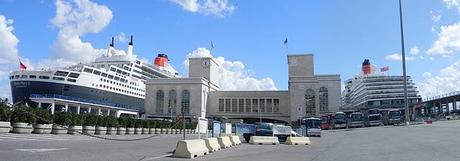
198, 95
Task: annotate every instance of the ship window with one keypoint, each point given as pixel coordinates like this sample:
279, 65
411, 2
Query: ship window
61, 73
16, 76
12, 77
117, 78
124, 73
118, 71
104, 74
71, 80
74, 75
23, 76
43, 77
122, 80
32, 76
87, 70
97, 72
58, 78
113, 69
110, 76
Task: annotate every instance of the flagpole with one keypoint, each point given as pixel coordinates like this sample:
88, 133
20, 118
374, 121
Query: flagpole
406, 103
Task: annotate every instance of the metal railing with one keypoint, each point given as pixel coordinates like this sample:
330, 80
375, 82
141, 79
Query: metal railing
71, 98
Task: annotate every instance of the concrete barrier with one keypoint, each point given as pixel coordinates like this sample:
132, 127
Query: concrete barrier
190, 148
212, 144
298, 141
264, 140
224, 142
235, 139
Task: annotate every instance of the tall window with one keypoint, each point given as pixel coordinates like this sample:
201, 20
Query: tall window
227, 105
269, 105
255, 105
186, 102
310, 109
221, 105
234, 105
248, 105
240, 105
276, 105
172, 102
262, 105
160, 102
323, 100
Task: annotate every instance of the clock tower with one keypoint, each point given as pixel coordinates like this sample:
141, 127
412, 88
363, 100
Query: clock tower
205, 67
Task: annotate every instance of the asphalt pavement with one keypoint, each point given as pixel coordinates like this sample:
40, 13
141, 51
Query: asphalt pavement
389, 143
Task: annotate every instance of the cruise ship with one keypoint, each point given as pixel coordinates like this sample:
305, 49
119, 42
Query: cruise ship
116, 79
371, 90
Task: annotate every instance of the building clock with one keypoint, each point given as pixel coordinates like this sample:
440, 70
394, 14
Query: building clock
205, 64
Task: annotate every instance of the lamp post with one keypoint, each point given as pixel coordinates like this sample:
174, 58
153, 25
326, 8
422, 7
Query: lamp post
406, 102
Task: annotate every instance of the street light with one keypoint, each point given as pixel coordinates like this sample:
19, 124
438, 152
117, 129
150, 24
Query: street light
406, 102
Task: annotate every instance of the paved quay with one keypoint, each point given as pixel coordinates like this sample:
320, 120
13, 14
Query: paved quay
390, 143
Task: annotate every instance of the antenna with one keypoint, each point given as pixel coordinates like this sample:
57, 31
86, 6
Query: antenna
112, 42
131, 42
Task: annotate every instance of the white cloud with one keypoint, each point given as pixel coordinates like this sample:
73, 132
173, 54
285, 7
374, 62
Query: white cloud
75, 19
448, 41
8, 41
121, 37
435, 15
414, 50
232, 74
453, 3
448, 80
398, 57
218, 8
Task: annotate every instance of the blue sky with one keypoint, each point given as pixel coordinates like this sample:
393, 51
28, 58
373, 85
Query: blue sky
341, 34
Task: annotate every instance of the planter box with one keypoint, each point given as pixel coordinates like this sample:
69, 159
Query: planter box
75, 130
42, 128
111, 131
121, 130
157, 131
145, 131
58, 129
22, 128
100, 130
5, 127
177, 131
162, 131
137, 131
129, 131
88, 130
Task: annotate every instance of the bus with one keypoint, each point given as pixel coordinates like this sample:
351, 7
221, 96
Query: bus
339, 120
356, 119
313, 126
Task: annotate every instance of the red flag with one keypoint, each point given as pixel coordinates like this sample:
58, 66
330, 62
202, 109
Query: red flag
22, 66
384, 69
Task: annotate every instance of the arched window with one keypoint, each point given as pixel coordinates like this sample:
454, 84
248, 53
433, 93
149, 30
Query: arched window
185, 103
172, 102
310, 103
323, 99
160, 102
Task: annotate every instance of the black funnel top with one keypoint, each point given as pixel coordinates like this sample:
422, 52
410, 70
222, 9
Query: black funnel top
131, 42
366, 62
111, 43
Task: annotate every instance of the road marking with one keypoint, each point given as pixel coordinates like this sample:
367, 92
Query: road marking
155, 158
41, 150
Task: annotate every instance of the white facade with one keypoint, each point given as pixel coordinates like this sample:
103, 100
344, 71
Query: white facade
206, 100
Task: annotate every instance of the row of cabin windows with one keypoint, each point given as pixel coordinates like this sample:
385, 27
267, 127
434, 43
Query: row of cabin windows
248, 105
118, 89
120, 84
41, 77
95, 72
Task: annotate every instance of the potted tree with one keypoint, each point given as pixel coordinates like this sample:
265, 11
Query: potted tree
121, 129
137, 126
22, 119
112, 125
61, 121
151, 125
129, 126
5, 117
88, 124
76, 123
101, 125
145, 127
44, 121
